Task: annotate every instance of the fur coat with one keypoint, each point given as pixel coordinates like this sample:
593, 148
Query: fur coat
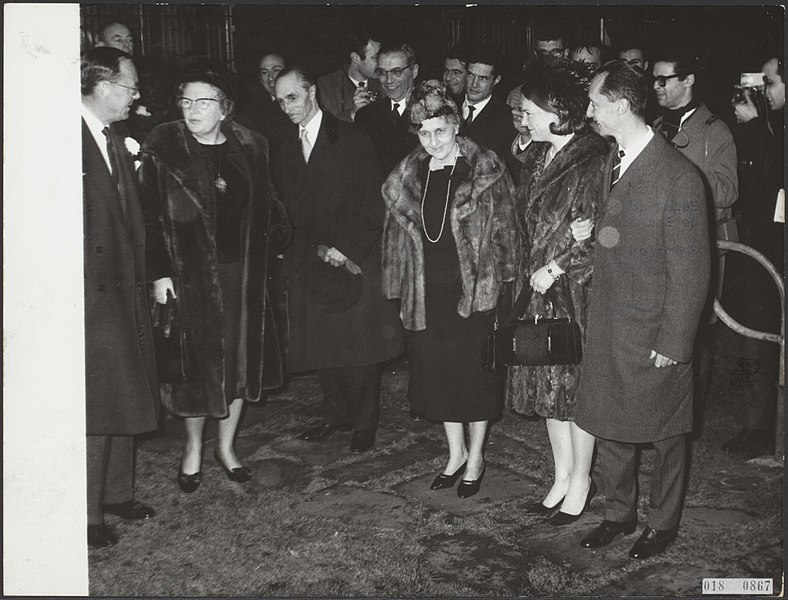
483, 224
548, 200
177, 191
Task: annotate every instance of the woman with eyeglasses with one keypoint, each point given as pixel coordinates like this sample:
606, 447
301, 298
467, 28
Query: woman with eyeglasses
450, 240
212, 220
561, 181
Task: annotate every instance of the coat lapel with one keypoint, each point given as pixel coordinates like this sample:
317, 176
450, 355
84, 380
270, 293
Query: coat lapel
100, 176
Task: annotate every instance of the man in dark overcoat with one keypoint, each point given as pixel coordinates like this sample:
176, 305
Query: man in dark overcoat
121, 388
340, 325
651, 276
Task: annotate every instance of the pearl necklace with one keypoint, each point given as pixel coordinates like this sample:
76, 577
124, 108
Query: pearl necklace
445, 206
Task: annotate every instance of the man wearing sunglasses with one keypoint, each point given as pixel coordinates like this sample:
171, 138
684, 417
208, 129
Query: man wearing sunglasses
396, 71
706, 141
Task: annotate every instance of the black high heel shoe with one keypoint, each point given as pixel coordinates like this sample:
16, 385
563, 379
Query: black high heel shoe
238, 475
189, 483
443, 481
466, 489
538, 508
562, 518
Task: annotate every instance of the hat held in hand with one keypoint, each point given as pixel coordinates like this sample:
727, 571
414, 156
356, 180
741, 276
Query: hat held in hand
334, 289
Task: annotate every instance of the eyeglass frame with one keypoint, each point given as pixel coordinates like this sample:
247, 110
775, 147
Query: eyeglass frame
135, 90
551, 52
396, 72
194, 102
662, 80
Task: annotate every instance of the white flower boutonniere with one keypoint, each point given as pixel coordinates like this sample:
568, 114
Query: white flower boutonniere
133, 146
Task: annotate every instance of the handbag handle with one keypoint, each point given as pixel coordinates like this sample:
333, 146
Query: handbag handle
524, 297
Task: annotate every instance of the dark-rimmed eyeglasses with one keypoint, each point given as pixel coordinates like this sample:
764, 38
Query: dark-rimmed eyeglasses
662, 80
552, 52
396, 72
135, 89
199, 103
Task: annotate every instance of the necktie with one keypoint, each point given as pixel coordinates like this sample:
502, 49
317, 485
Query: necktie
306, 145
395, 111
469, 118
113, 159
615, 175
113, 162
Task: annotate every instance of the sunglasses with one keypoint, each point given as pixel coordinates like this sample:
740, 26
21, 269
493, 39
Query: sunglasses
662, 80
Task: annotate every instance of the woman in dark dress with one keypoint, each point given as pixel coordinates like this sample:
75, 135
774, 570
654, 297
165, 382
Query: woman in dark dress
450, 241
212, 220
560, 183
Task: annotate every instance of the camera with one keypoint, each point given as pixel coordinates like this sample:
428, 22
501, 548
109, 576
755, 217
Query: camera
752, 84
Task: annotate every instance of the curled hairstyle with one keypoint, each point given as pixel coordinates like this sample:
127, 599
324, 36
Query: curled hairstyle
622, 80
561, 90
431, 99
100, 64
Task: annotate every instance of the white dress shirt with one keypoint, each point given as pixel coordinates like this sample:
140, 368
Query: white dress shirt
313, 127
634, 150
478, 107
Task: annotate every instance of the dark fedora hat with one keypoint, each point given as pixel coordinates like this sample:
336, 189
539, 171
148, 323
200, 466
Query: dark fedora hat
333, 289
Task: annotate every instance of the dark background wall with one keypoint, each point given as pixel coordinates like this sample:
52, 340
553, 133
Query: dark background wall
734, 39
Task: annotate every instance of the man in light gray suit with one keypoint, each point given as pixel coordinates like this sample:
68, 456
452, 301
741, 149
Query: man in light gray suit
651, 275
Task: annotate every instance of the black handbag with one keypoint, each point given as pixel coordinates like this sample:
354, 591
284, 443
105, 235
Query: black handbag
176, 352
533, 341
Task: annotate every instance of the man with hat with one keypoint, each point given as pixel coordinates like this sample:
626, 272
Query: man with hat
329, 179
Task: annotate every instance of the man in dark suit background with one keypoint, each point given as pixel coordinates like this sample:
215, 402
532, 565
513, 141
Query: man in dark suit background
487, 120
121, 387
344, 91
651, 275
383, 120
340, 325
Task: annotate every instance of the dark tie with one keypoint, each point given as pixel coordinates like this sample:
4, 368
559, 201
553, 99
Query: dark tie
471, 108
395, 112
615, 175
113, 161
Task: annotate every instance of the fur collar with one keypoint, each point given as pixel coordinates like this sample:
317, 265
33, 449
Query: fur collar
402, 191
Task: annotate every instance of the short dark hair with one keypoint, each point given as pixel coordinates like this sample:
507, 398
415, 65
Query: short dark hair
405, 48
548, 31
632, 45
100, 64
305, 78
486, 55
269, 52
586, 45
561, 90
356, 41
458, 52
686, 62
622, 80
428, 101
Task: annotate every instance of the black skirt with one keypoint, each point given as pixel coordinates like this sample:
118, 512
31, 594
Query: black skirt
447, 381
234, 372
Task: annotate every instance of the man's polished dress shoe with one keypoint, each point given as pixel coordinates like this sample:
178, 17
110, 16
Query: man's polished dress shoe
363, 440
101, 536
606, 532
189, 483
561, 518
651, 542
538, 508
322, 432
443, 481
467, 488
131, 509
238, 475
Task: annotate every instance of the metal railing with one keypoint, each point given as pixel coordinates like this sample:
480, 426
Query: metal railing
777, 338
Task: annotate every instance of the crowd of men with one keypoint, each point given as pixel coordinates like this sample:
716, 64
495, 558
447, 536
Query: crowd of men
371, 91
